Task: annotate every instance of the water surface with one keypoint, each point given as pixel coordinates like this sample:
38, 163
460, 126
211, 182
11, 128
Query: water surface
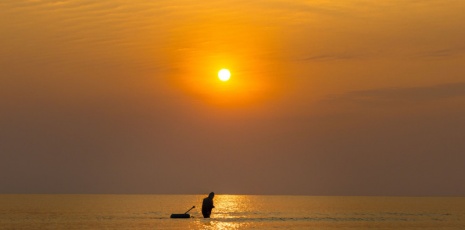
231, 212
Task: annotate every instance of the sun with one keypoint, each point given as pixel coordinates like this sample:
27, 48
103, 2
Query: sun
224, 74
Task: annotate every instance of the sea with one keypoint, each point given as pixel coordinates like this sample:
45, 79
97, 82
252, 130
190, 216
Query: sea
230, 212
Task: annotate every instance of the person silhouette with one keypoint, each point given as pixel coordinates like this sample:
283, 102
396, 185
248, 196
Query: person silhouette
207, 205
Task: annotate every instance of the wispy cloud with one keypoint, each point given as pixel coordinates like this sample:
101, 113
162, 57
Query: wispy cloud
400, 96
330, 57
443, 53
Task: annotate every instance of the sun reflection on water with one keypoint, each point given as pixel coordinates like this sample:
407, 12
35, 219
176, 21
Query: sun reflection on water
213, 224
228, 212
231, 206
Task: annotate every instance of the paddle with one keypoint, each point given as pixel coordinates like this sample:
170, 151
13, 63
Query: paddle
189, 209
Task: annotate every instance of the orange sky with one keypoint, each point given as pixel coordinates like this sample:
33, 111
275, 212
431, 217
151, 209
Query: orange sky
325, 97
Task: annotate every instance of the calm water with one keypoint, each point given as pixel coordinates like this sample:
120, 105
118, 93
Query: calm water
231, 212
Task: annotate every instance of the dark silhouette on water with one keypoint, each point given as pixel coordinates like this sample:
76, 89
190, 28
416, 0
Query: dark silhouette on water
207, 205
184, 215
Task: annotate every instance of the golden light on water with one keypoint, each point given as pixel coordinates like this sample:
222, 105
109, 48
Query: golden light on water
230, 206
228, 209
224, 74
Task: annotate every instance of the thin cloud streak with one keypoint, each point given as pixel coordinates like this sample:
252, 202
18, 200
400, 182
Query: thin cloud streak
399, 96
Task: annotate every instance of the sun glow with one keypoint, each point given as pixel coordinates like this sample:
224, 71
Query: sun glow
224, 74
226, 71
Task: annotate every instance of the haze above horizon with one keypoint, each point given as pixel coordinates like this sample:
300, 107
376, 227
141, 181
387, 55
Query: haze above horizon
324, 97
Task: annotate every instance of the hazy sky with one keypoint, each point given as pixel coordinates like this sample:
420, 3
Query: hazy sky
349, 97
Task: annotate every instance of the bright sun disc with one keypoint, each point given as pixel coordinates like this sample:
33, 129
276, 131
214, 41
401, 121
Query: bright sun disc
224, 74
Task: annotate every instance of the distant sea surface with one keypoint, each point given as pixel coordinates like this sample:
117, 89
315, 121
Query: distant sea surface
231, 212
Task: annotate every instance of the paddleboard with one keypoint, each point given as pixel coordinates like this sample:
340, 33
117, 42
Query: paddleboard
180, 216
